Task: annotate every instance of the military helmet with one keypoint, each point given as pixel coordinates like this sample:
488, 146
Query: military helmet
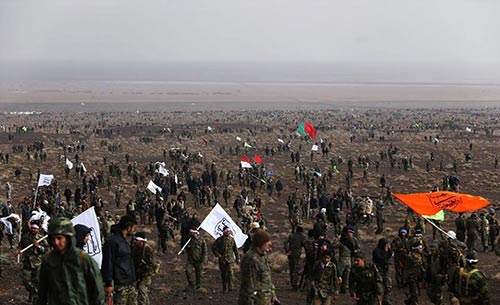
61, 226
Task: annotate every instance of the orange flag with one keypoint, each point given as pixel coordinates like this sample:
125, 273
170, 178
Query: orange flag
431, 203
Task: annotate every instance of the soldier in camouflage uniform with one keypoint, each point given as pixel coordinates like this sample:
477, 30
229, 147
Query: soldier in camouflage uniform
494, 228
435, 274
460, 224
452, 253
347, 245
196, 252
399, 246
32, 259
224, 248
414, 272
325, 283
468, 285
145, 266
472, 225
365, 282
484, 229
293, 246
256, 286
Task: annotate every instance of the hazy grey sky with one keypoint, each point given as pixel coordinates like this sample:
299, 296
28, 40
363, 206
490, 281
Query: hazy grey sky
450, 32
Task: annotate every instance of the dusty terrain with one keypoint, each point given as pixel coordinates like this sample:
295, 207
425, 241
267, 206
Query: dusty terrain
395, 121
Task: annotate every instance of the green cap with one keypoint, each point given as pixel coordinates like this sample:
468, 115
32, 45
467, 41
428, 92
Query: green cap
61, 226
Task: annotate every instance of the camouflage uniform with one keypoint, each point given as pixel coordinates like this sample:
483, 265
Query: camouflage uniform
494, 230
293, 246
461, 226
484, 229
224, 248
256, 285
325, 284
196, 256
145, 267
435, 275
469, 285
472, 225
346, 248
399, 246
414, 272
32, 259
366, 283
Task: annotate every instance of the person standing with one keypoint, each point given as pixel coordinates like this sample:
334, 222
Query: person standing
293, 246
365, 282
118, 270
257, 287
145, 265
325, 282
68, 275
224, 248
32, 259
468, 285
414, 272
382, 255
196, 251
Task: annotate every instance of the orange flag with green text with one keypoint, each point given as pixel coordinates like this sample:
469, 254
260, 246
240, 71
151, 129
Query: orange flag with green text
431, 203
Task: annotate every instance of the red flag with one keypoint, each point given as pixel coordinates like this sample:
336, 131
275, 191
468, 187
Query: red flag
431, 203
245, 159
204, 141
257, 159
310, 130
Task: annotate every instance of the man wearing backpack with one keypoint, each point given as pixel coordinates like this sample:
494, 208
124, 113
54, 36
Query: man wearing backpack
68, 275
468, 285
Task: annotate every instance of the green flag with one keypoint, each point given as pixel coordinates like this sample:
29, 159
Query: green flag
247, 145
335, 169
438, 216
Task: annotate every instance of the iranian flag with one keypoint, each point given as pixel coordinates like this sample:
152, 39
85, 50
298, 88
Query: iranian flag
245, 162
306, 128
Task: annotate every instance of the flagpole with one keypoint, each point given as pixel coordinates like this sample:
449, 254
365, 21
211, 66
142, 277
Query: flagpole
36, 193
437, 227
185, 245
20, 232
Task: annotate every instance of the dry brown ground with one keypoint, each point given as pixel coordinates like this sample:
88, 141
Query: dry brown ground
479, 177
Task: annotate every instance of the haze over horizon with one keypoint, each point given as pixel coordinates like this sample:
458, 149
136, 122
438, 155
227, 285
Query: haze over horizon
362, 41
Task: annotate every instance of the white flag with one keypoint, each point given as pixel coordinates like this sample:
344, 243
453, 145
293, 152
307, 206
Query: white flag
93, 246
176, 179
314, 147
245, 164
281, 141
238, 139
45, 179
83, 167
69, 164
162, 171
152, 187
209, 128
8, 225
217, 219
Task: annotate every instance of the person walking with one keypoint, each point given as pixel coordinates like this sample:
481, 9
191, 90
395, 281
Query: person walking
225, 250
68, 275
118, 271
196, 251
145, 265
257, 287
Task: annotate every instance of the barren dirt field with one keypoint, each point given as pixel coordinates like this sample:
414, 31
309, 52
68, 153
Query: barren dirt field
147, 132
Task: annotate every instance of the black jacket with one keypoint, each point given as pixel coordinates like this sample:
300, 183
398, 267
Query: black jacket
117, 262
